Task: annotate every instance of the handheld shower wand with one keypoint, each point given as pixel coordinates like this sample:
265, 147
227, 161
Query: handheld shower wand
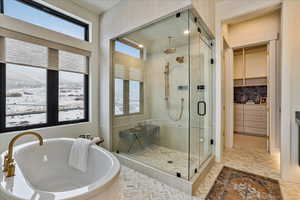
167, 94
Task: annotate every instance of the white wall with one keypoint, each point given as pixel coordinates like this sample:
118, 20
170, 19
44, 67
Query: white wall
255, 30
206, 9
290, 89
65, 130
227, 10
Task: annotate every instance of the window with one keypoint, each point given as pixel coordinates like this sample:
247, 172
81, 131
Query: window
25, 96
40, 15
134, 96
119, 97
41, 86
129, 76
71, 96
128, 97
128, 49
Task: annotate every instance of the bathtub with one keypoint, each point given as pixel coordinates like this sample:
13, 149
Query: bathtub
43, 173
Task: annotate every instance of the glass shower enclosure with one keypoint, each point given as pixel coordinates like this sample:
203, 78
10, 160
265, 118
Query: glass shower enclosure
163, 95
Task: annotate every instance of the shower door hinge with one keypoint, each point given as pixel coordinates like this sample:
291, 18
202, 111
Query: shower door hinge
212, 61
212, 142
199, 30
200, 87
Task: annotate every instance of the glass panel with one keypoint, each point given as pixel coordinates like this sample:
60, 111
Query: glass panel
25, 96
134, 96
206, 96
126, 49
71, 96
195, 92
24, 12
72, 62
119, 97
201, 101
20, 52
159, 136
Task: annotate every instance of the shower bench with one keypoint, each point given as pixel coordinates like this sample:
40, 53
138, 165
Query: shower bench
138, 132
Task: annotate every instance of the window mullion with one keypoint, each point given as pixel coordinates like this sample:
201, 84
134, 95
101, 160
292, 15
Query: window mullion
2, 96
86, 97
52, 87
2, 84
52, 97
141, 97
126, 97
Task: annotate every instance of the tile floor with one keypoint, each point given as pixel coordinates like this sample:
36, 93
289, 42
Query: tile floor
136, 186
158, 157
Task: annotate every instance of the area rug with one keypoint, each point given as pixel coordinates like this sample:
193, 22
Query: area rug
233, 184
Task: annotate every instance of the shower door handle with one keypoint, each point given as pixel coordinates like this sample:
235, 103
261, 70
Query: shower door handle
198, 108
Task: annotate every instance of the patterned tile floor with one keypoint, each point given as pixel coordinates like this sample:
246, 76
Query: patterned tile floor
158, 157
136, 186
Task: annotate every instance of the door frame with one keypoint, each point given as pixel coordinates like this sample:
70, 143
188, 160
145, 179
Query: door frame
273, 95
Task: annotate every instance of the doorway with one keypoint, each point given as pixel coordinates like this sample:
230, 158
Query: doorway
252, 97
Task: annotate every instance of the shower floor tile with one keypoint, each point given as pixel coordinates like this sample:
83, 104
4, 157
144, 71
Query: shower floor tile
165, 159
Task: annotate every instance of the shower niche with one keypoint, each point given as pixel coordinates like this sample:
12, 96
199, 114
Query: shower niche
163, 95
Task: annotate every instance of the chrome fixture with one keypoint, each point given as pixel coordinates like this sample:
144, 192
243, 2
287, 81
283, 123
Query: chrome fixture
9, 165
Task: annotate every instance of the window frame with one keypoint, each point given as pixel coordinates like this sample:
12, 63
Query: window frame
52, 82
52, 102
1, 7
53, 12
126, 106
126, 42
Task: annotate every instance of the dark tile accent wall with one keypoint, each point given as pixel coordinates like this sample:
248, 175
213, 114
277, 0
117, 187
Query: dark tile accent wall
243, 94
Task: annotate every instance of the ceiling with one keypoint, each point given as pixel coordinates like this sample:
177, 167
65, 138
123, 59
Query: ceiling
97, 6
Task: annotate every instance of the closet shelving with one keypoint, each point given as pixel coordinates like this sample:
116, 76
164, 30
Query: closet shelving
250, 66
251, 69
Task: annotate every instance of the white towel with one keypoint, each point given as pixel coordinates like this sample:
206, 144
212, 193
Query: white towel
78, 157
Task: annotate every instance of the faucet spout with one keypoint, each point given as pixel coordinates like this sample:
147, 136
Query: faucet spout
8, 160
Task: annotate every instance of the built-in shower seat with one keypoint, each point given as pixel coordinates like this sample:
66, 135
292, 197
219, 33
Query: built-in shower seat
137, 133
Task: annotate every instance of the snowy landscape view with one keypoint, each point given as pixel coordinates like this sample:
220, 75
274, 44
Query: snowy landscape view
134, 97
26, 96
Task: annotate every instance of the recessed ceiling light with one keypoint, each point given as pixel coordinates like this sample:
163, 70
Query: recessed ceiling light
186, 32
141, 46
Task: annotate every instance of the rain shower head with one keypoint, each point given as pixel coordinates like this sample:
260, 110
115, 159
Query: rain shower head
170, 50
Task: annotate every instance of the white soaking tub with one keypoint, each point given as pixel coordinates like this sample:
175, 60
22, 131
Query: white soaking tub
43, 173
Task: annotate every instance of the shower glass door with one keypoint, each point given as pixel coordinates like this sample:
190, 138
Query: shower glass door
201, 91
